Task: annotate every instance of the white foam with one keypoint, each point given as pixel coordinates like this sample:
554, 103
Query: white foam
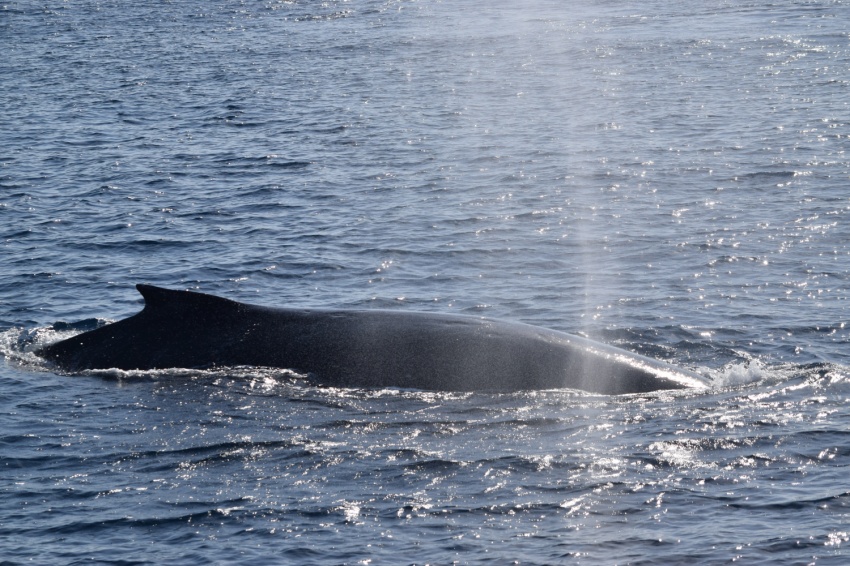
18, 345
739, 373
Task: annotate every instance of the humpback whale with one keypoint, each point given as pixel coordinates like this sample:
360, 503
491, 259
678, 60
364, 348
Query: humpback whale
361, 348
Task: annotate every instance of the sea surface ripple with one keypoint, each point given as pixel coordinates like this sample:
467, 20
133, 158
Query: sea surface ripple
670, 179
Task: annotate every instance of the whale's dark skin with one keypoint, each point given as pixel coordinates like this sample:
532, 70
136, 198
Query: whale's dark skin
368, 348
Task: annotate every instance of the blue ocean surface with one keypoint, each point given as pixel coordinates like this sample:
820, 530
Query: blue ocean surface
671, 178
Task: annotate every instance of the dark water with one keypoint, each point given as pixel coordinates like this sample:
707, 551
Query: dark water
669, 178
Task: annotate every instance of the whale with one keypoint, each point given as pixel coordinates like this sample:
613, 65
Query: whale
361, 348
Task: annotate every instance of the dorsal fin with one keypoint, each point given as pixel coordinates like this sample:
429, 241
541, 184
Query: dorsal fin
159, 298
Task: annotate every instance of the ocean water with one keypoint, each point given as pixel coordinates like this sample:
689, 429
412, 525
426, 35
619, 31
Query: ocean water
670, 178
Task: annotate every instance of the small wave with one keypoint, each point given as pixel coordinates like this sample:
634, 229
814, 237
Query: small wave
251, 380
18, 345
737, 374
785, 174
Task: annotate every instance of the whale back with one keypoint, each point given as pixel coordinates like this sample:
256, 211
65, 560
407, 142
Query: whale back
186, 329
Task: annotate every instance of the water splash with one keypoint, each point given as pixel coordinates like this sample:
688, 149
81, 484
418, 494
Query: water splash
737, 374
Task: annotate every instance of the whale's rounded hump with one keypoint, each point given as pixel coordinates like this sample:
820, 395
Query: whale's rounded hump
187, 329
160, 299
